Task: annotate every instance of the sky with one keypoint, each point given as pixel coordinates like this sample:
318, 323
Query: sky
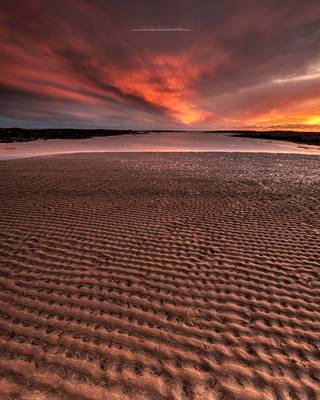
160, 64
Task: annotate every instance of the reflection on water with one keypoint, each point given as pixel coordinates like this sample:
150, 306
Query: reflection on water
153, 141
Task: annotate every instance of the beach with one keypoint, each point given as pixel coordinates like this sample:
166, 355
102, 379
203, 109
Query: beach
154, 142
191, 276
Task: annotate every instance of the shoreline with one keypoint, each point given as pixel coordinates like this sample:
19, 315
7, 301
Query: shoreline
310, 138
173, 152
16, 135
124, 153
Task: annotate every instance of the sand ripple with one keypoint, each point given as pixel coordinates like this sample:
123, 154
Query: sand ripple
160, 276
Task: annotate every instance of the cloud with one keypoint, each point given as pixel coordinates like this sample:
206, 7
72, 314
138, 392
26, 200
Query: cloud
160, 64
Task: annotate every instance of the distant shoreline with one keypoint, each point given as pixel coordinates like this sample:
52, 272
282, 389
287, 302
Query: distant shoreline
312, 138
10, 135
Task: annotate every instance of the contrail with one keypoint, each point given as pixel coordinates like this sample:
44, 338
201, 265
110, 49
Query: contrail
160, 29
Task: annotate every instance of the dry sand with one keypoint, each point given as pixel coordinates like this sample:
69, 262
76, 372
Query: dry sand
160, 276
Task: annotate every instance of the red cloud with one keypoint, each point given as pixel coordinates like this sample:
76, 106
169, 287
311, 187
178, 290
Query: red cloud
75, 62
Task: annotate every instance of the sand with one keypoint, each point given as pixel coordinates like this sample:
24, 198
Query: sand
160, 276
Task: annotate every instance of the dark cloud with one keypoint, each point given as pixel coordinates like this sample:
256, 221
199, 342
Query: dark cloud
77, 62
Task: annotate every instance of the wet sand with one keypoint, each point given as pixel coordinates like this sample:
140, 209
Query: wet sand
155, 142
160, 276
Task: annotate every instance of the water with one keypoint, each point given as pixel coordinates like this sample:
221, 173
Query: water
156, 142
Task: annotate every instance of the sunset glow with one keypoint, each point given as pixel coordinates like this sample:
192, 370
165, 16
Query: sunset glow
83, 64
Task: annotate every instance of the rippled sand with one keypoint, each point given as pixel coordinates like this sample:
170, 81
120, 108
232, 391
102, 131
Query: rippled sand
160, 276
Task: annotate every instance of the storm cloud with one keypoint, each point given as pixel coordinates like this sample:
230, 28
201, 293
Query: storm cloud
219, 65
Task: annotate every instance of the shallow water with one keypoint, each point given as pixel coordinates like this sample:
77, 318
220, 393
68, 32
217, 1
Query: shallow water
154, 142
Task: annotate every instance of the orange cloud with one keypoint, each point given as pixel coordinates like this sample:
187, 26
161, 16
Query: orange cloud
304, 112
165, 83
81, 60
